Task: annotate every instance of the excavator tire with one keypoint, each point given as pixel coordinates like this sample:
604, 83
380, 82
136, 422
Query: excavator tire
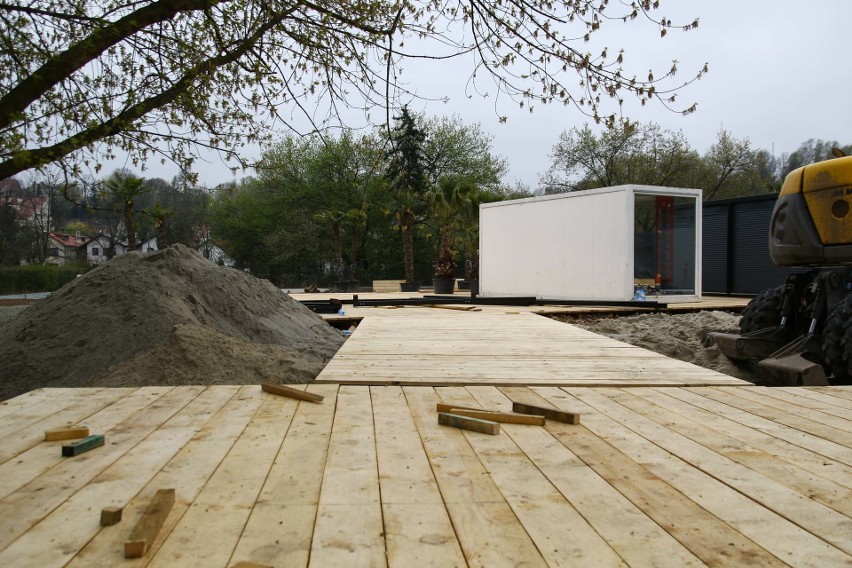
764, 310
837, 341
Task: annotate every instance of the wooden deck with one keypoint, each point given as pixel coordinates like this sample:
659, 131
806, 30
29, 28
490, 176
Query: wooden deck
430, 346
662, 476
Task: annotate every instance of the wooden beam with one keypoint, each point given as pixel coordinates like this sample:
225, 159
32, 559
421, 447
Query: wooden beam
83, 446
66, 433
444, 407
149, 525
465, 423
504, 417
290, 392
244, 564
549, 413
111, 516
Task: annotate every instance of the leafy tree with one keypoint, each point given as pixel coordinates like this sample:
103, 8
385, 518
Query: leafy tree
730, 168
810, 151
622, 154
407, 175
86, 78
9, 234
122, 188
455, 149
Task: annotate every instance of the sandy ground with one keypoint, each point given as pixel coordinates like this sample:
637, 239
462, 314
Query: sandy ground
164, 318
679, 336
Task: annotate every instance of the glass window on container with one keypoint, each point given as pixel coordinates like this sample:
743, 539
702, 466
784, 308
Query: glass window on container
664, 244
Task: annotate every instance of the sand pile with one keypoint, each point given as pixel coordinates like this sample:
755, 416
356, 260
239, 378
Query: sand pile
679, 336
168, 317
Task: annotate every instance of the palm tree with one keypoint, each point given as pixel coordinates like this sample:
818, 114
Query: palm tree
123, 187
451, 199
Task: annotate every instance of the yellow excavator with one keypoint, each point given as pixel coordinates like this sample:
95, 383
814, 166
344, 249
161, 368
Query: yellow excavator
801, 332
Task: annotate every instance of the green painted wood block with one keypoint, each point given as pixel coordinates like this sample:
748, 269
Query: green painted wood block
83, 446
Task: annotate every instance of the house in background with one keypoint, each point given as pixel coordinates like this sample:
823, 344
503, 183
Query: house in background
63, 248
97, 249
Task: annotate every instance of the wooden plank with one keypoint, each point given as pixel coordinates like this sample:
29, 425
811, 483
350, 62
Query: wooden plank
549, 413
211, 438
349, 529
148, 527
417, 527
815, 413
116, 485
22, 509
290, 494
502, 417
465, 423
66, 433
599, 444
797, 421
290, 392
560, 533
626, 528
486, 527
775, 460
222, 507
85, 445
30, 463
741, 500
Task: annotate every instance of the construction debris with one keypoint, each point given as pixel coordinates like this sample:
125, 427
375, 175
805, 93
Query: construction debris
85, 445
465, 423
111, 516
290, 392
146, 530
66, 433
549, 413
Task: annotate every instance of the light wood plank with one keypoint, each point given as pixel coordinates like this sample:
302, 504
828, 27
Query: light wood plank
796, 421
282, 390
716, 433
800, 408
28, 465
633, 535
486, 527
280, 528
148, 526
76, 518
348, 529
221, 509
20, 437
43, 494
187, 472
418, 530
561, 534
694, 471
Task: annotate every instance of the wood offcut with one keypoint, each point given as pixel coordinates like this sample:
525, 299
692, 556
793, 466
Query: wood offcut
111, 516
66, 433
146, 530
549, 413
466, 423
492, 415
83, 446
290, 392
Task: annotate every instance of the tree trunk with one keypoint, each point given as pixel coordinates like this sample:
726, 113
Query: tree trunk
338, 249
406, 226
129, 225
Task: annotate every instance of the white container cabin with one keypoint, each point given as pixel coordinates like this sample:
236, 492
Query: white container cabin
602, 244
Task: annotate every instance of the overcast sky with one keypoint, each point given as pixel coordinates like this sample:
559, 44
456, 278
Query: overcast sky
779, 74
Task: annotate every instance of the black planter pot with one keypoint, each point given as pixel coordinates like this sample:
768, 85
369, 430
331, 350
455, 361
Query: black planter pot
444, 285
474, 286
464, 284
409, 286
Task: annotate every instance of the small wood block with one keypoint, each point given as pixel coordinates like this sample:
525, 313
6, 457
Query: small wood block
65, 433
291, 392
549, 413
504, 417
145, 531
245, 564
83, 446
465, 423
111, 516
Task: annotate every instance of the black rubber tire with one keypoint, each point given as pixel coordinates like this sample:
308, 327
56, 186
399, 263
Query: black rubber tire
764, 310
837, 341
